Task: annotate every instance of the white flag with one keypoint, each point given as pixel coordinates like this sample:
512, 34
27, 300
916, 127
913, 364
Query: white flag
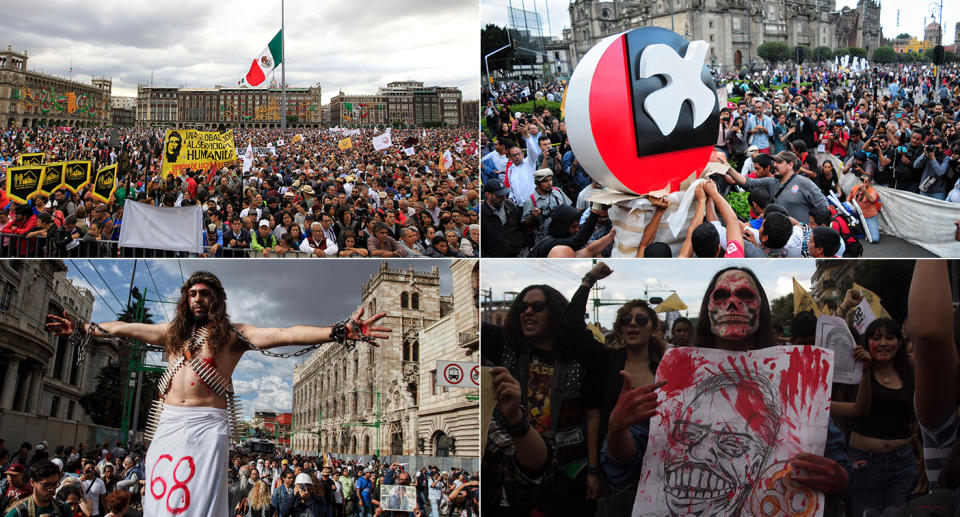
424, 132
862, 316
383, 141
409, 151
248, 158
447, 159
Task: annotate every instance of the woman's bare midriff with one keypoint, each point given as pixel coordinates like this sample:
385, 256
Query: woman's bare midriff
876, 445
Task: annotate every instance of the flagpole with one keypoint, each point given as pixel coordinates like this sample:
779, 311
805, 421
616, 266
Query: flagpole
283, 72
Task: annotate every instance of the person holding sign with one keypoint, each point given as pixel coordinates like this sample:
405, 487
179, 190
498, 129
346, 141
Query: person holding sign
734, 316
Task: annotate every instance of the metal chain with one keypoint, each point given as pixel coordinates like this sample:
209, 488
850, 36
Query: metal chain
81, 343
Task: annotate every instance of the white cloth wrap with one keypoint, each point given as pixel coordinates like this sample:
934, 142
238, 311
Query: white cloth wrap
185, 435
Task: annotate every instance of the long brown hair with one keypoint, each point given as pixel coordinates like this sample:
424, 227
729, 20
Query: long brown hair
180, 329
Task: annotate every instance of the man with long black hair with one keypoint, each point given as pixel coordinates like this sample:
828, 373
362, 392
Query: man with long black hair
187, 458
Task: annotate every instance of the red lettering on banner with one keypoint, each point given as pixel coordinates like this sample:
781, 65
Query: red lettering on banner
177, 483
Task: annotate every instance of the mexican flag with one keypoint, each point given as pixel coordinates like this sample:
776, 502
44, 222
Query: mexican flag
268, 59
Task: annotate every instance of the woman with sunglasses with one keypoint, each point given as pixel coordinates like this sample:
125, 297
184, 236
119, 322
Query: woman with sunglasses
543, 442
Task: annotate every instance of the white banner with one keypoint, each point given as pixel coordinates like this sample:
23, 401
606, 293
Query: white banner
382, 142
458, 374
248, 158
921, 220
152, 227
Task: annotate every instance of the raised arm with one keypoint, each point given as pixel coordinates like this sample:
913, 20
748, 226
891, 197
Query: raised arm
145, 332
730, 221
355, 328
650, 232
687, 250
929, 323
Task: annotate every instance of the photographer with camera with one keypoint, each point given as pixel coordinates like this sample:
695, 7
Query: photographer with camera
307, 497
934, 164
537, 209
906, 174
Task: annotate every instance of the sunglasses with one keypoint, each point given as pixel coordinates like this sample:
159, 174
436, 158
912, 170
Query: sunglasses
536, 306
640, 319
48, 486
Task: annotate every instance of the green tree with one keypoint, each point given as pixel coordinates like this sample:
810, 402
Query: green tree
782, 310
858, 52
774, 52
842, 51
807, 53
105, 403
822, 53
885, 55
903, 35
493, 37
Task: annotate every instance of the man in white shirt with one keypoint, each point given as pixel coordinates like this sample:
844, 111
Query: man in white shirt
497, 159
93, 488
520, 170
317, 245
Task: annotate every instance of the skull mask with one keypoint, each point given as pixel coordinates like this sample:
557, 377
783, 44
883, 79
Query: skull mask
734, 306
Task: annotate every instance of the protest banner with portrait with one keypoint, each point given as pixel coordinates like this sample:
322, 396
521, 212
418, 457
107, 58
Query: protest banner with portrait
105, 183
52, 178
31, 159
76, 175
833, 334
23, 182
727, 426
398, 498
185, 149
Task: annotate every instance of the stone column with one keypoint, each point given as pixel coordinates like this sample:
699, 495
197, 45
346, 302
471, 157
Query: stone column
20, 403
36, 383
10, 383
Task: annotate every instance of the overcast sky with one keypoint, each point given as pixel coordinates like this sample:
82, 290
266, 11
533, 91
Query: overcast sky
266, 293
199, 44
632, 278
912, 15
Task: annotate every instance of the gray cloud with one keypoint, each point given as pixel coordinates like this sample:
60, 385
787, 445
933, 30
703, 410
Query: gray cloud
202, 44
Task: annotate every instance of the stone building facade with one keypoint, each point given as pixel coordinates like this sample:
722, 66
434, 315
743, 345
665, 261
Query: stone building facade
448, 418
40, 375
733, 28
342, 398
33, 99
235, 107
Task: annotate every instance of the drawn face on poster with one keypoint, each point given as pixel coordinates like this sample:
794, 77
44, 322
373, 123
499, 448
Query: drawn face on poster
726, 427
712, 463
400, 498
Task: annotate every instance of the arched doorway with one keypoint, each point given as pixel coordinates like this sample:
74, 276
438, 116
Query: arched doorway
396, 440
737, 59
366, 445
441, 444
354, 449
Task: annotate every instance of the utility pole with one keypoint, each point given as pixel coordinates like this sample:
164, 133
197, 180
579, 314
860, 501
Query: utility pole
283, 71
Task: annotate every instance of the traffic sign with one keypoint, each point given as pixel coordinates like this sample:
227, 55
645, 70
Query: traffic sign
458, 374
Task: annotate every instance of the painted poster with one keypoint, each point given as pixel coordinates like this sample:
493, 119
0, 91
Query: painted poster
76, 175
189, 149
726, 427
105, 183
31, 159
23, 182
833, 334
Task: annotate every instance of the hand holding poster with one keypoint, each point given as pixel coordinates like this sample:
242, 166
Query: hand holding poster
196, 150
398, 498
833, 334
728, 425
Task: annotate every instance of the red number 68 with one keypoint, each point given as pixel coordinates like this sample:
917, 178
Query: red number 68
177, 483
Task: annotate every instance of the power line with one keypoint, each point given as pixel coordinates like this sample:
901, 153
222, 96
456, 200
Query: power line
97, 271
184, 280
157, 289
95, 291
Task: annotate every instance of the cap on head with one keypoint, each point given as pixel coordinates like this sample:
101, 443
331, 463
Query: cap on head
541, 174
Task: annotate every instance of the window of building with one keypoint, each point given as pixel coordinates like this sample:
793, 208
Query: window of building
414, 301
433, 382
7, 296
54, 407
404, 300
70, 407
710, 24
443, 444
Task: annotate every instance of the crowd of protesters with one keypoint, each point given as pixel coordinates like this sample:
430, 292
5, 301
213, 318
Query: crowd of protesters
796, 150
303, 195
108, 480
575, 407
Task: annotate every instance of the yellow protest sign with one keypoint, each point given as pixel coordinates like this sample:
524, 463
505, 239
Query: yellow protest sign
31, 159
873, 300
346, 143
802, 300
105, 183
196, 150
671, 304
597, 333
76, 175
52, 178
23, 182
